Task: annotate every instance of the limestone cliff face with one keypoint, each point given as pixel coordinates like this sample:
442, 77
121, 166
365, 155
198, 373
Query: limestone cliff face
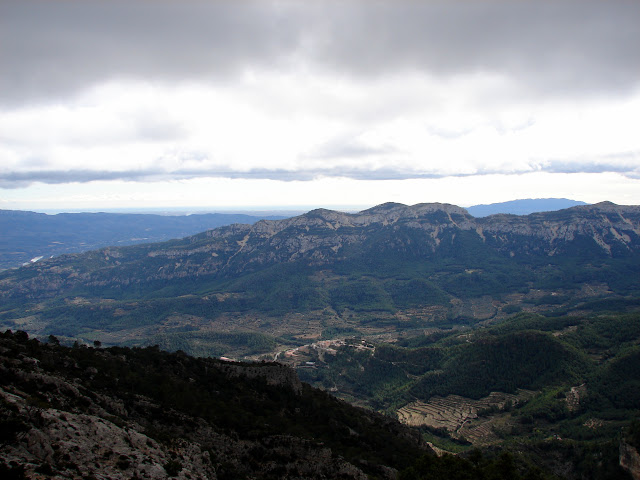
323, 237
614, 229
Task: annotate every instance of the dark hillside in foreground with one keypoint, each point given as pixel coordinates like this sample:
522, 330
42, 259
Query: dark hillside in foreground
122, 413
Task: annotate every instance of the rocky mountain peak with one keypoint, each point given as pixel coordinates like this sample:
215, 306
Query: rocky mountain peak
419, 209
384, 207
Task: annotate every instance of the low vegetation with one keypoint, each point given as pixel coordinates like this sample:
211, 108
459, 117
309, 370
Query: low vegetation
519, 384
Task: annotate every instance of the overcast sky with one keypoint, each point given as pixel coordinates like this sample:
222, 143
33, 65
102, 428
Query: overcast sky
236, 104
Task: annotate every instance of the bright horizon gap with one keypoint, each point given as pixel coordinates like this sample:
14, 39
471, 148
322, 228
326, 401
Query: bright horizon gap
224, 194
256, 210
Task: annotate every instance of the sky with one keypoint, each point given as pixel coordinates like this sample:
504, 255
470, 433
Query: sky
137, 104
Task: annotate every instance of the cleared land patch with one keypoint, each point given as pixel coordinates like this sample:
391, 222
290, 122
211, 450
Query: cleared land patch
460, 415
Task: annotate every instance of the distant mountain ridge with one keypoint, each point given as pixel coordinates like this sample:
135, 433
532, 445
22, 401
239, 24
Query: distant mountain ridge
523, 207
27, 235
325, 237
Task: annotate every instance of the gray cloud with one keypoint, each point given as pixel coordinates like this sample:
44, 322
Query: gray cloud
55, 47
348, 147
596, 167
11, 180
22, 179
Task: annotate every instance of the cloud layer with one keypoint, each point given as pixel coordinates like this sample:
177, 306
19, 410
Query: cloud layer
290, 90
57, 47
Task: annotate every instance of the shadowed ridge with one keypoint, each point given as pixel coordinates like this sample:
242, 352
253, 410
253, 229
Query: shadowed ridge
326, 213
605, 206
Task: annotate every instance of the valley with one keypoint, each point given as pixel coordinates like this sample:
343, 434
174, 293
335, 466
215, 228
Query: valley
390, 271
504, 333
525, 383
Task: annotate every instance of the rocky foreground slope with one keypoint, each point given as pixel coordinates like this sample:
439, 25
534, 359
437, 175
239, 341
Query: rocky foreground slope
141, 413
123, 413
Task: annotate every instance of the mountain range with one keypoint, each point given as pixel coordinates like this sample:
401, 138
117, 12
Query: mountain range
29, 236
523, 207
505, 333
385, 270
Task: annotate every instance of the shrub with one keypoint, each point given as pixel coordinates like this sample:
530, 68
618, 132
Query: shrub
173, 467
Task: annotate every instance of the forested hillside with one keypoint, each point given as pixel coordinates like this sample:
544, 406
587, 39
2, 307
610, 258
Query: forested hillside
89, 412
393, 270
524, 383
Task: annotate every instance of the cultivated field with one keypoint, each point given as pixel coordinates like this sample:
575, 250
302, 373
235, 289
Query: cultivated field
464, 417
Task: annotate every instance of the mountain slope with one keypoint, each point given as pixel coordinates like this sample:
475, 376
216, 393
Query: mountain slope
382, 270
561, 384
323, 237
121, 413
28, 235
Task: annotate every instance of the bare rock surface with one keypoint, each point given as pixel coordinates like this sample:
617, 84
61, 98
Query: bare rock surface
630, 460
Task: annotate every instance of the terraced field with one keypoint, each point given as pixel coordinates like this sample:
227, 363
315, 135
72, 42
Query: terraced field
460, 415
482, 430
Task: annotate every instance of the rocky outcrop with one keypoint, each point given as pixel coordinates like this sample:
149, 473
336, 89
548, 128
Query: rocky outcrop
574, 396
72, 445
630, 460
